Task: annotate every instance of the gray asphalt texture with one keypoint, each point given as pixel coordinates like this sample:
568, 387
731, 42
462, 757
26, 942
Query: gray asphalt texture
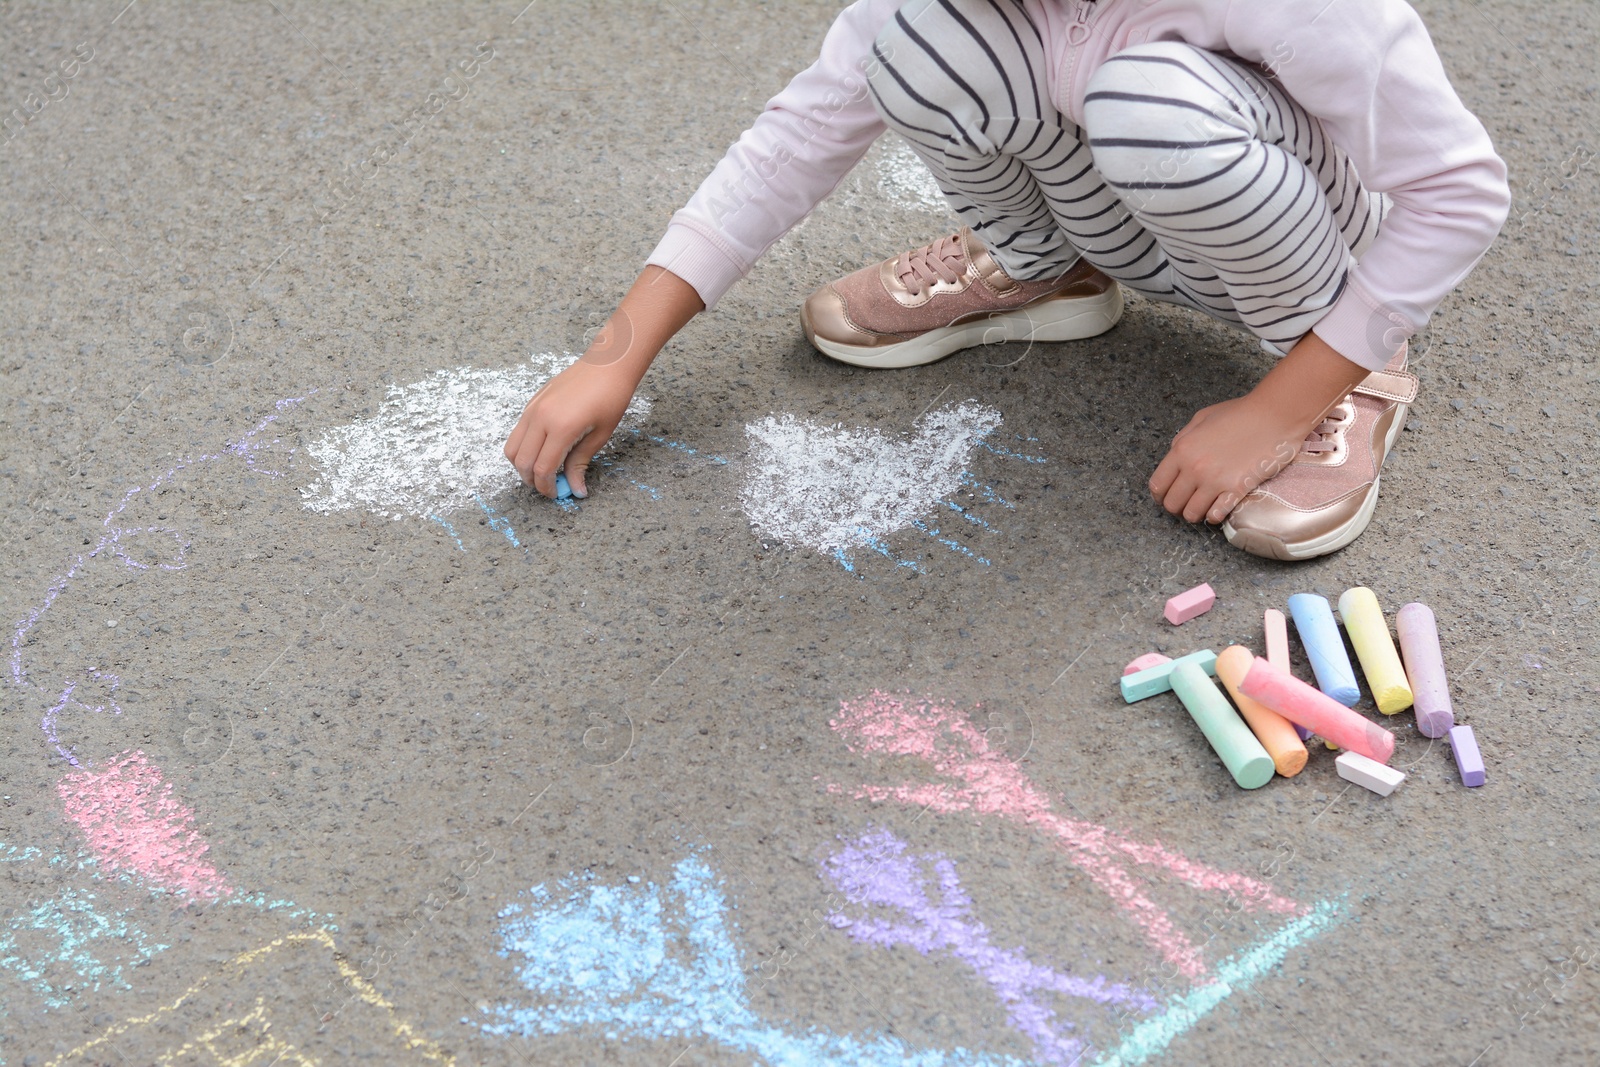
403, 737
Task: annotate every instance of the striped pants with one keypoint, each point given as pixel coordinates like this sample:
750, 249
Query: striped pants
1195, 179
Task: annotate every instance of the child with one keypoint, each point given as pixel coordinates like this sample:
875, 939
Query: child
1301, 169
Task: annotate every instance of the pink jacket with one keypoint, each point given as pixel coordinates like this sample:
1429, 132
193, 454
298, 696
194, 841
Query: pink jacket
1366, 68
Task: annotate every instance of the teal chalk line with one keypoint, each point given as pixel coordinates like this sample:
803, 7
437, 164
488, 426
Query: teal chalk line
1239, 972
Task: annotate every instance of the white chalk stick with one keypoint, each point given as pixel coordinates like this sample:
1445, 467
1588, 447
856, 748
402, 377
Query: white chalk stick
1369, 773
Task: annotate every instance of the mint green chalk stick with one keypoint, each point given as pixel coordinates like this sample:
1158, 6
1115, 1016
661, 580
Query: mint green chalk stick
1246, 760
1158, 679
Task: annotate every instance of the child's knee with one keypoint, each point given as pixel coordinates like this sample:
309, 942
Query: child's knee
1156, 94
901, 68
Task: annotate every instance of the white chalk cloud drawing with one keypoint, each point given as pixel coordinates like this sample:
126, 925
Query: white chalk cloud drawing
832, 488
434, 444
905, 180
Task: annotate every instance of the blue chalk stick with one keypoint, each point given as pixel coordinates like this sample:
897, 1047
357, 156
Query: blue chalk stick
1320, 637
1158, 679
563, 490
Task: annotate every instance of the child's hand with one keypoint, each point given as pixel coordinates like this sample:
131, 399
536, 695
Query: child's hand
1228, 449
1224, 452
567, 422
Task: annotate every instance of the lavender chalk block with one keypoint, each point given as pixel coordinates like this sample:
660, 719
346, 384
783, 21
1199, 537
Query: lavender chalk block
1468, 760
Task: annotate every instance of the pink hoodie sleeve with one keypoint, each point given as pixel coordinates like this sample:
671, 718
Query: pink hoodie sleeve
1370, 72
799, 149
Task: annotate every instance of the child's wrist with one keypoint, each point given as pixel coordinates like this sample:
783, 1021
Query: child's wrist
1306, 383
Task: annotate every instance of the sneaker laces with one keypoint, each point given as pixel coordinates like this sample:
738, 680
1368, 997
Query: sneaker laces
942, 261
1324, 437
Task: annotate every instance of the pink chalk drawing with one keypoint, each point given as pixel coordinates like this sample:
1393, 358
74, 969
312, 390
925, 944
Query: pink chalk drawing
875, 870
986, 783
132, 822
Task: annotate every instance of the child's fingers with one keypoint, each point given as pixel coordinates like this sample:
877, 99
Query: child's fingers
1177, 498
523, 434
552, 454
577, 464
1199, 504
1222, 507
523, 448
1166, 473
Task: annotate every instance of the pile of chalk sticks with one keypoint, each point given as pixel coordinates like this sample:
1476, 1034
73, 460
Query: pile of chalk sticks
1282, 712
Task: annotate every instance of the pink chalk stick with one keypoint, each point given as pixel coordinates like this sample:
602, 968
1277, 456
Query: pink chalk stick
1468, 760
1276, 627
1149, 659
1189, 603
1316, 711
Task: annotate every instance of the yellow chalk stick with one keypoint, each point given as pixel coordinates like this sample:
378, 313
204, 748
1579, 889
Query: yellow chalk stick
1369, 633
1276, 734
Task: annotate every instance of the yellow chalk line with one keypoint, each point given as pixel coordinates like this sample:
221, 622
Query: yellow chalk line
364, 991
267, 1044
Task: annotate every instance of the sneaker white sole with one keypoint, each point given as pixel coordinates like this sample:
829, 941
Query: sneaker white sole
1050, 320
1342, 535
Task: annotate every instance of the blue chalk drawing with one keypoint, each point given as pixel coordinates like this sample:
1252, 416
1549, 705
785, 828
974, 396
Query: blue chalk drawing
969, 516
451, 530
71, 944
76, 942
617, 468
499, 522
868, 540
950, 543
658, 963
878, 545
678, 446
985, 491
655, 494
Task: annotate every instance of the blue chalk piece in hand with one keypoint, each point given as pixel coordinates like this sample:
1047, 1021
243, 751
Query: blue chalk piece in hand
563, 490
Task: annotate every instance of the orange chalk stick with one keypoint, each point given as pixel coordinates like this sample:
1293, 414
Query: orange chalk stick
1276, 734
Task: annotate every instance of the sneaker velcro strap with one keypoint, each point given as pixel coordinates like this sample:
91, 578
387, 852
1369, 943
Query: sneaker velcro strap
1398, 385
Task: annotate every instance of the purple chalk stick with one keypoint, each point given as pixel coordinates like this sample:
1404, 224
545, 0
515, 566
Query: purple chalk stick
1419, 643
1468, 760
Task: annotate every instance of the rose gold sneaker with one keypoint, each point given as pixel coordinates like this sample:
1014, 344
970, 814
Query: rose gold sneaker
1324, 498
921, 306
